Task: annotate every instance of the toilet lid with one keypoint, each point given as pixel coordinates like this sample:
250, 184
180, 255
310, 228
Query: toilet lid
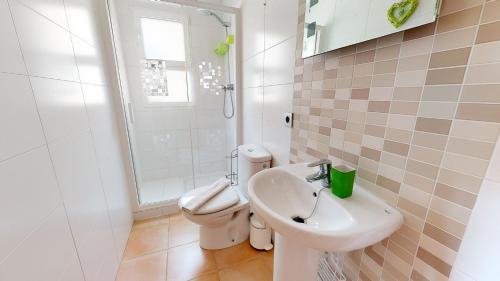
223, 200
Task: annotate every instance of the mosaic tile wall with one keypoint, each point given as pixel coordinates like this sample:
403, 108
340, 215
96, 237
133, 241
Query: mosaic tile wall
418, 114
154, 78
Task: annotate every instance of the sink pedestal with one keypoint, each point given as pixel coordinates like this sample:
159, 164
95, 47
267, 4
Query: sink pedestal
293, 261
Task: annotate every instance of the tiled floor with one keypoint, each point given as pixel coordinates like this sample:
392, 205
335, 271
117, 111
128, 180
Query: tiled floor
167, 249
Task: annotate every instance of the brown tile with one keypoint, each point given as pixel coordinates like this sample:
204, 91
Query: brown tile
379, 106
360, 94
434, 262
383, 67
189, 261
450, 58
457, 196
374, 130
491, 11
151, 268
412, 207
370, 153
388, 184
486, 93
365, 57
391, 273
324, 131
479, 112
451, 6
339, 124
396, 147
252, 270
449, 225
400, 252
459, 19
236, 254
416, 276
182, 231
147, 240
488, 32
405, 243
453, 75
419, 32
432, 125
387, 53
374, 255
442, 237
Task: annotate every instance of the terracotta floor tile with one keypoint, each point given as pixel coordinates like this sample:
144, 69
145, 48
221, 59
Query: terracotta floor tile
182, 231
189, 261
214, 276
150, 222
235, 254
252, 270
147, 240
147, 268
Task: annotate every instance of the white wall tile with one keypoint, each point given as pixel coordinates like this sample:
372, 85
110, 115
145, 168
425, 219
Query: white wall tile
46, 47
61, 107
252, 115
29, 192
45, 254
279, 63
253, 71
52, 9
252, 19
84, 17
11, 59
281, 21
89, 62
20, 126
275, 136
494, 169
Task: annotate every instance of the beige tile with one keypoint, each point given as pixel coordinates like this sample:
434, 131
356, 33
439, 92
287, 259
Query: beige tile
189, 261
491, 11
147, 240
449, 225
398, 135
389, 40
426, 155
232, 255
459, 19
383, 67
419, 32
453, 75
415, 195
383, 80
150, 222
387, 53
426, 170
412, 208
479, 112
451, 6
365, 57
450, 210
422, 183
151, 268
472, 148
441, 93
432, 125
388, 184
393, 160
407, 93
442, 237
413, 63
396, 148
474, 130
486, 53
488, 32
486, 73
455, 39
182, 231
411, 78
437, 248
430, 140
370, 153
466, 165
379, 106
207, 277
417, 47
376, 131
486, 93
439, 110
252, 270
450, 58
360, 94
460, 180
434, 262
455, 195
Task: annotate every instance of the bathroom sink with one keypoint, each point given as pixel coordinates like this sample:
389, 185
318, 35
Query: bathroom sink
284, 199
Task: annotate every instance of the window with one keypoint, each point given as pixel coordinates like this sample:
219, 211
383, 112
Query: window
164, 68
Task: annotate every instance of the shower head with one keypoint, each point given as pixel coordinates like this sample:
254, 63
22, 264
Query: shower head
207, 12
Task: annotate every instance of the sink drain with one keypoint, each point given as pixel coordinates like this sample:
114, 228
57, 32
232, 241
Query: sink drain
298, 219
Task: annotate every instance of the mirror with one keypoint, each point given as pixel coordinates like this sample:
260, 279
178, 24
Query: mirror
333, 24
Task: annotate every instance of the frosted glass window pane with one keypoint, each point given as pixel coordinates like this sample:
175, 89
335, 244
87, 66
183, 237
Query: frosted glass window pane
177, 88
163, 40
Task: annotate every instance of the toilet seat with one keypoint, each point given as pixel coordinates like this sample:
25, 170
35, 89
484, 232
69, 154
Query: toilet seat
223, 200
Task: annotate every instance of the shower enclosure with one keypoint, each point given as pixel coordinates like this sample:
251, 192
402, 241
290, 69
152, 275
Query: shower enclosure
176, 65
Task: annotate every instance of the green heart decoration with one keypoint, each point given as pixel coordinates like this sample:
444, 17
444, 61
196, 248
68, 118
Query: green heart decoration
223, 47
400, 12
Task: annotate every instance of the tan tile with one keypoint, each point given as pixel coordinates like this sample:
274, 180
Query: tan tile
479, 112
407, 93
365, 57
459, 180
366, 46
485, 53
442, 237
252, 270
451, 210
472, 148
419, 32
451, 6
453, 75
426, 170
150, 222
151, 268
207, 277
376, 131
182, 231
475, 130
464, 164
360, 94
491, 11
424, 184
450, 58
390, 39
411, 78
434, 262
426, 155
417, 47
383, 67
412, 208
398, 135
404, 108
235, 254
189, 261
383, 80
388, 184
400, 252
413, 63
405, 243
397, 148
147, 240
459, 19
453, 227
370, 153
441, 93
379, 106
455, 195
488, 32
455, 39
387, 53
485, 73
439, 110
432, 125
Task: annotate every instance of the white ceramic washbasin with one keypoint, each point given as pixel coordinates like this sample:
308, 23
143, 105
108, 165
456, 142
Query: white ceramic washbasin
339, 225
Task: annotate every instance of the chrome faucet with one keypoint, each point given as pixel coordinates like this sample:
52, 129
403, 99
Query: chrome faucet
323, 174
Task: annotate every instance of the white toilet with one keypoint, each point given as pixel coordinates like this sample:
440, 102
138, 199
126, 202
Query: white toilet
224, 219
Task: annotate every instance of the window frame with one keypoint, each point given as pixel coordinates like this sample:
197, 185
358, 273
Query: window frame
138, 15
